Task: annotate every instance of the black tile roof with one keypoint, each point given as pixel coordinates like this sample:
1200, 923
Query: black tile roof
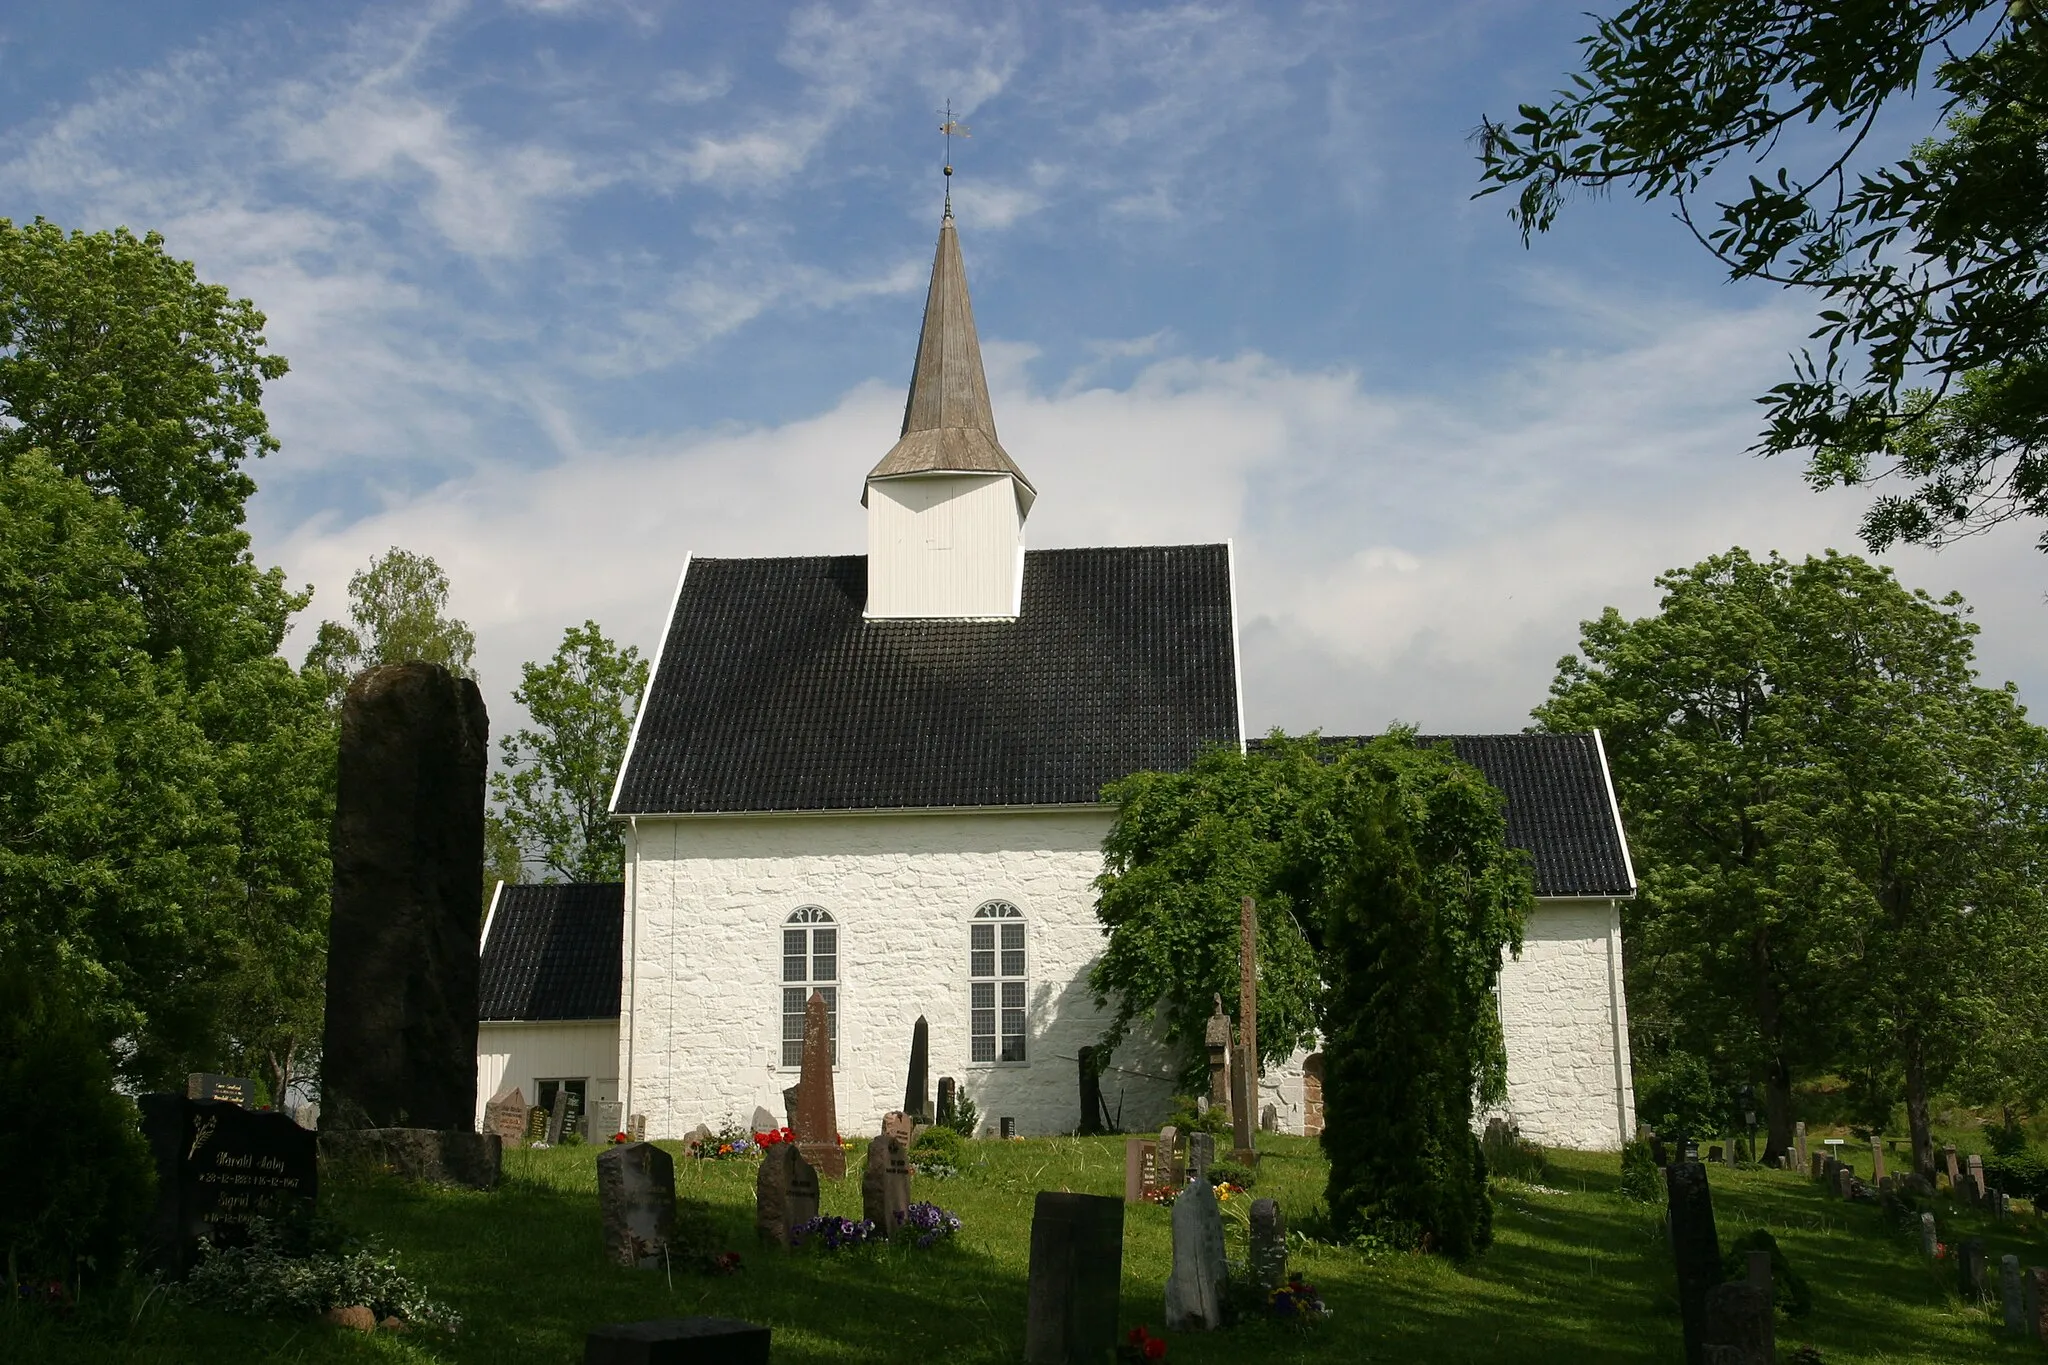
774, 693
1557, 807
553, 952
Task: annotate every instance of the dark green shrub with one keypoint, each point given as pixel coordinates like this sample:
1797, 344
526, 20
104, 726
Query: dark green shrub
1508, 1156
1679, 1099
1642, 1179
940, 1145
966, 1117
266, 1279
1789, 1294
76, 1178
2022, 1174
1187, 1117
1241, 1176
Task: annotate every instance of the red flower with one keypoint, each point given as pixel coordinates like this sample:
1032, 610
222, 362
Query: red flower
1136, 1336
1155, 1349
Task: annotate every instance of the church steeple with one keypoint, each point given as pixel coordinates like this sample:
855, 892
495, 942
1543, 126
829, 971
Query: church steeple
948, 424
946, 505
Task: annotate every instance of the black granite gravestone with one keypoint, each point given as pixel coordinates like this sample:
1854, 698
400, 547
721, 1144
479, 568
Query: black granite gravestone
678, 1341
1077, 1258
1091, 1093
408, 846
219, 1166
205, 1085
1695, 1248
917, 1089
946, 1090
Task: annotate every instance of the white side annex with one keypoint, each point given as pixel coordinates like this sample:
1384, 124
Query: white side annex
879, 778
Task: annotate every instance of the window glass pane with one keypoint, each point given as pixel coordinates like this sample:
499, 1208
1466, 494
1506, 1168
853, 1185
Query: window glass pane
982, 937
1013, 937
1013, 995
793, 1027
984, 996
981, 964
1013, 962
825, 941
792, 942
824, 969
1013, 1047
793, 968
985, 1043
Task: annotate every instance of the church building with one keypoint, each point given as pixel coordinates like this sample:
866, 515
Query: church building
879, 777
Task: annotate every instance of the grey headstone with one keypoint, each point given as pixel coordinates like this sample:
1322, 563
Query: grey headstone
1738, 1321
1799, 1145
789, 1097
1929, 1243
1694, 1247
408, 855
1269, 1119
1201, 1151
636, 1198
677, 1341
1976, 1178
1877, 1169
764, 1122
558, 1116
1077, 1258
1194, 1291
607, 1121
1268, 1245
785, 1194
885, 1185
1173, 1162
1973, 1272
2011, 1295
702, 1138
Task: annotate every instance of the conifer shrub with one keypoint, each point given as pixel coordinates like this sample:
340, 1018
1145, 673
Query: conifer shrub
76, 1179
1642, 1179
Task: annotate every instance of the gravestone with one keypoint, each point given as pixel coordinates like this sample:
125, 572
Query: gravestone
785, 1194
1091, 1093
885, 1185
1929, 1243
1738, 1327
1216, 1038
1799, 1145
917, 1089
1714, 1154
1694, 1248
2035, 1283
789, 1099
901, 1126
558, 1116
946, 1091
1845, 1181
432, 1156
817, 1112
505, 1115
1269, 1119
1955, 1169
636, 1127
1877, 1171
1247, 1088
408, 853
1267, 1246
2010, 1294
1194, 1290
1978, 1187
1141, 1169
1201, 1151
677, 1341
1173, 1164
764, 1122
219, 1165
1077, 1261
636, 1199
1973, 1272
536, 1124
702, 1139
1816, 1166
204, 1085
607, 1121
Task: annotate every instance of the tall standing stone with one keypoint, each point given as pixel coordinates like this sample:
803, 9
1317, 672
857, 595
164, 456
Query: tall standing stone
1268, 1246
408, 854
817, 1110
1877, 1171
2010, 1294
1973, 1273
1090, 1077
1929, 1244
1695, 1248
1244, 1117
1977, 1185
1077, 1266
917, 1088
1799, 1145
1216, 1038
785, 1194
1194, 1290
1173, 1167
946, 1106
636, 1199
1955, 1170
885, 1184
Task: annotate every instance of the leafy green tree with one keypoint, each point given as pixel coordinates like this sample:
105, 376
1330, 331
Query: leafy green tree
1387, 895
555, 785
398, 613
1838, 833
1929, 269
161, 768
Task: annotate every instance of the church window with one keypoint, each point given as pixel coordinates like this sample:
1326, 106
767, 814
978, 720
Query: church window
810, 962
996, 983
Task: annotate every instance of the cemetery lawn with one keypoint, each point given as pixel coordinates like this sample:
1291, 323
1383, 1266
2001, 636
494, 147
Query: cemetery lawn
1577, 1274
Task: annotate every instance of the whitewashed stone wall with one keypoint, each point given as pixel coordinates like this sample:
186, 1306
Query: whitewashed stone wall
705, 996
1565, 1020
521, 1053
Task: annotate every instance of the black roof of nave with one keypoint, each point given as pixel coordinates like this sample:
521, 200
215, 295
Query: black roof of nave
553, 952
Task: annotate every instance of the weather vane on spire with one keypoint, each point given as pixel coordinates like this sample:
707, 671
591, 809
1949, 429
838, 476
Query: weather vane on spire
952, 129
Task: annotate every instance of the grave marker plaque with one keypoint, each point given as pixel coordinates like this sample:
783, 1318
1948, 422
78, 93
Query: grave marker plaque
218, 1166
1268, 1246
204, 1085
1973, 1272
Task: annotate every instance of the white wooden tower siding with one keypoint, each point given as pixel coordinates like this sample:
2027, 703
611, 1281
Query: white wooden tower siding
880, 777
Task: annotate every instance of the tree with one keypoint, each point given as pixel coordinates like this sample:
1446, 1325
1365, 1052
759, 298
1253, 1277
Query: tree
398, 612
1835, 828
555, 786
1930, 269
1387, 896
162, 769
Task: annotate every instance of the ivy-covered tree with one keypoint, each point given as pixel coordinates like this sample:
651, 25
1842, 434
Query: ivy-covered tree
1387, 895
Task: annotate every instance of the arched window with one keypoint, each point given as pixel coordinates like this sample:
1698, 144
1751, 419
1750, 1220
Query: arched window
996, 983
810, 962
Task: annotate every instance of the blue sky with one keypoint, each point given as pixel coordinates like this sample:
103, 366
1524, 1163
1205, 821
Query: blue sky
570, 289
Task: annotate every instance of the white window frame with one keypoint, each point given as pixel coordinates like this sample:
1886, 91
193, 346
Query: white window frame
808, 921
1000, 995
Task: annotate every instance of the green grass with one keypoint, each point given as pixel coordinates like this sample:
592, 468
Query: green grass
1579, 1275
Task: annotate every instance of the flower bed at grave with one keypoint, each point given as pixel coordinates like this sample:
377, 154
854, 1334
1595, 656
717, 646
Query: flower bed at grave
1297, 1300
1140, 1346
930, 1223
836, 1233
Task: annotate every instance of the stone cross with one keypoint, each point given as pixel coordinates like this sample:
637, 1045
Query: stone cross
2010, 1294
917, 1090
1929, 1243
817, 1112
946, 1090
408, 853
1694, 1247
1173, 1167
1799, 1144
1876, 1159
1141, 1169
636, 1198
1268, 1246
505, 1115
1201, 1151
1973, 1275
1194, 1291
1076, 1278
1244, 1117
1216, 1038
785, 1194
885, 1186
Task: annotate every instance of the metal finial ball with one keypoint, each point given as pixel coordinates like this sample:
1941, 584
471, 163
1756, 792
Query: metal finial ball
949, 170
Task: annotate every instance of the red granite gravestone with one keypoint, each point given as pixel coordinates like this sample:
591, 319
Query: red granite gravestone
817, 1111
885, 1185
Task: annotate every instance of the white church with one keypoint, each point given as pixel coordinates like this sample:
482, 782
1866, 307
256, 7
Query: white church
879, 777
